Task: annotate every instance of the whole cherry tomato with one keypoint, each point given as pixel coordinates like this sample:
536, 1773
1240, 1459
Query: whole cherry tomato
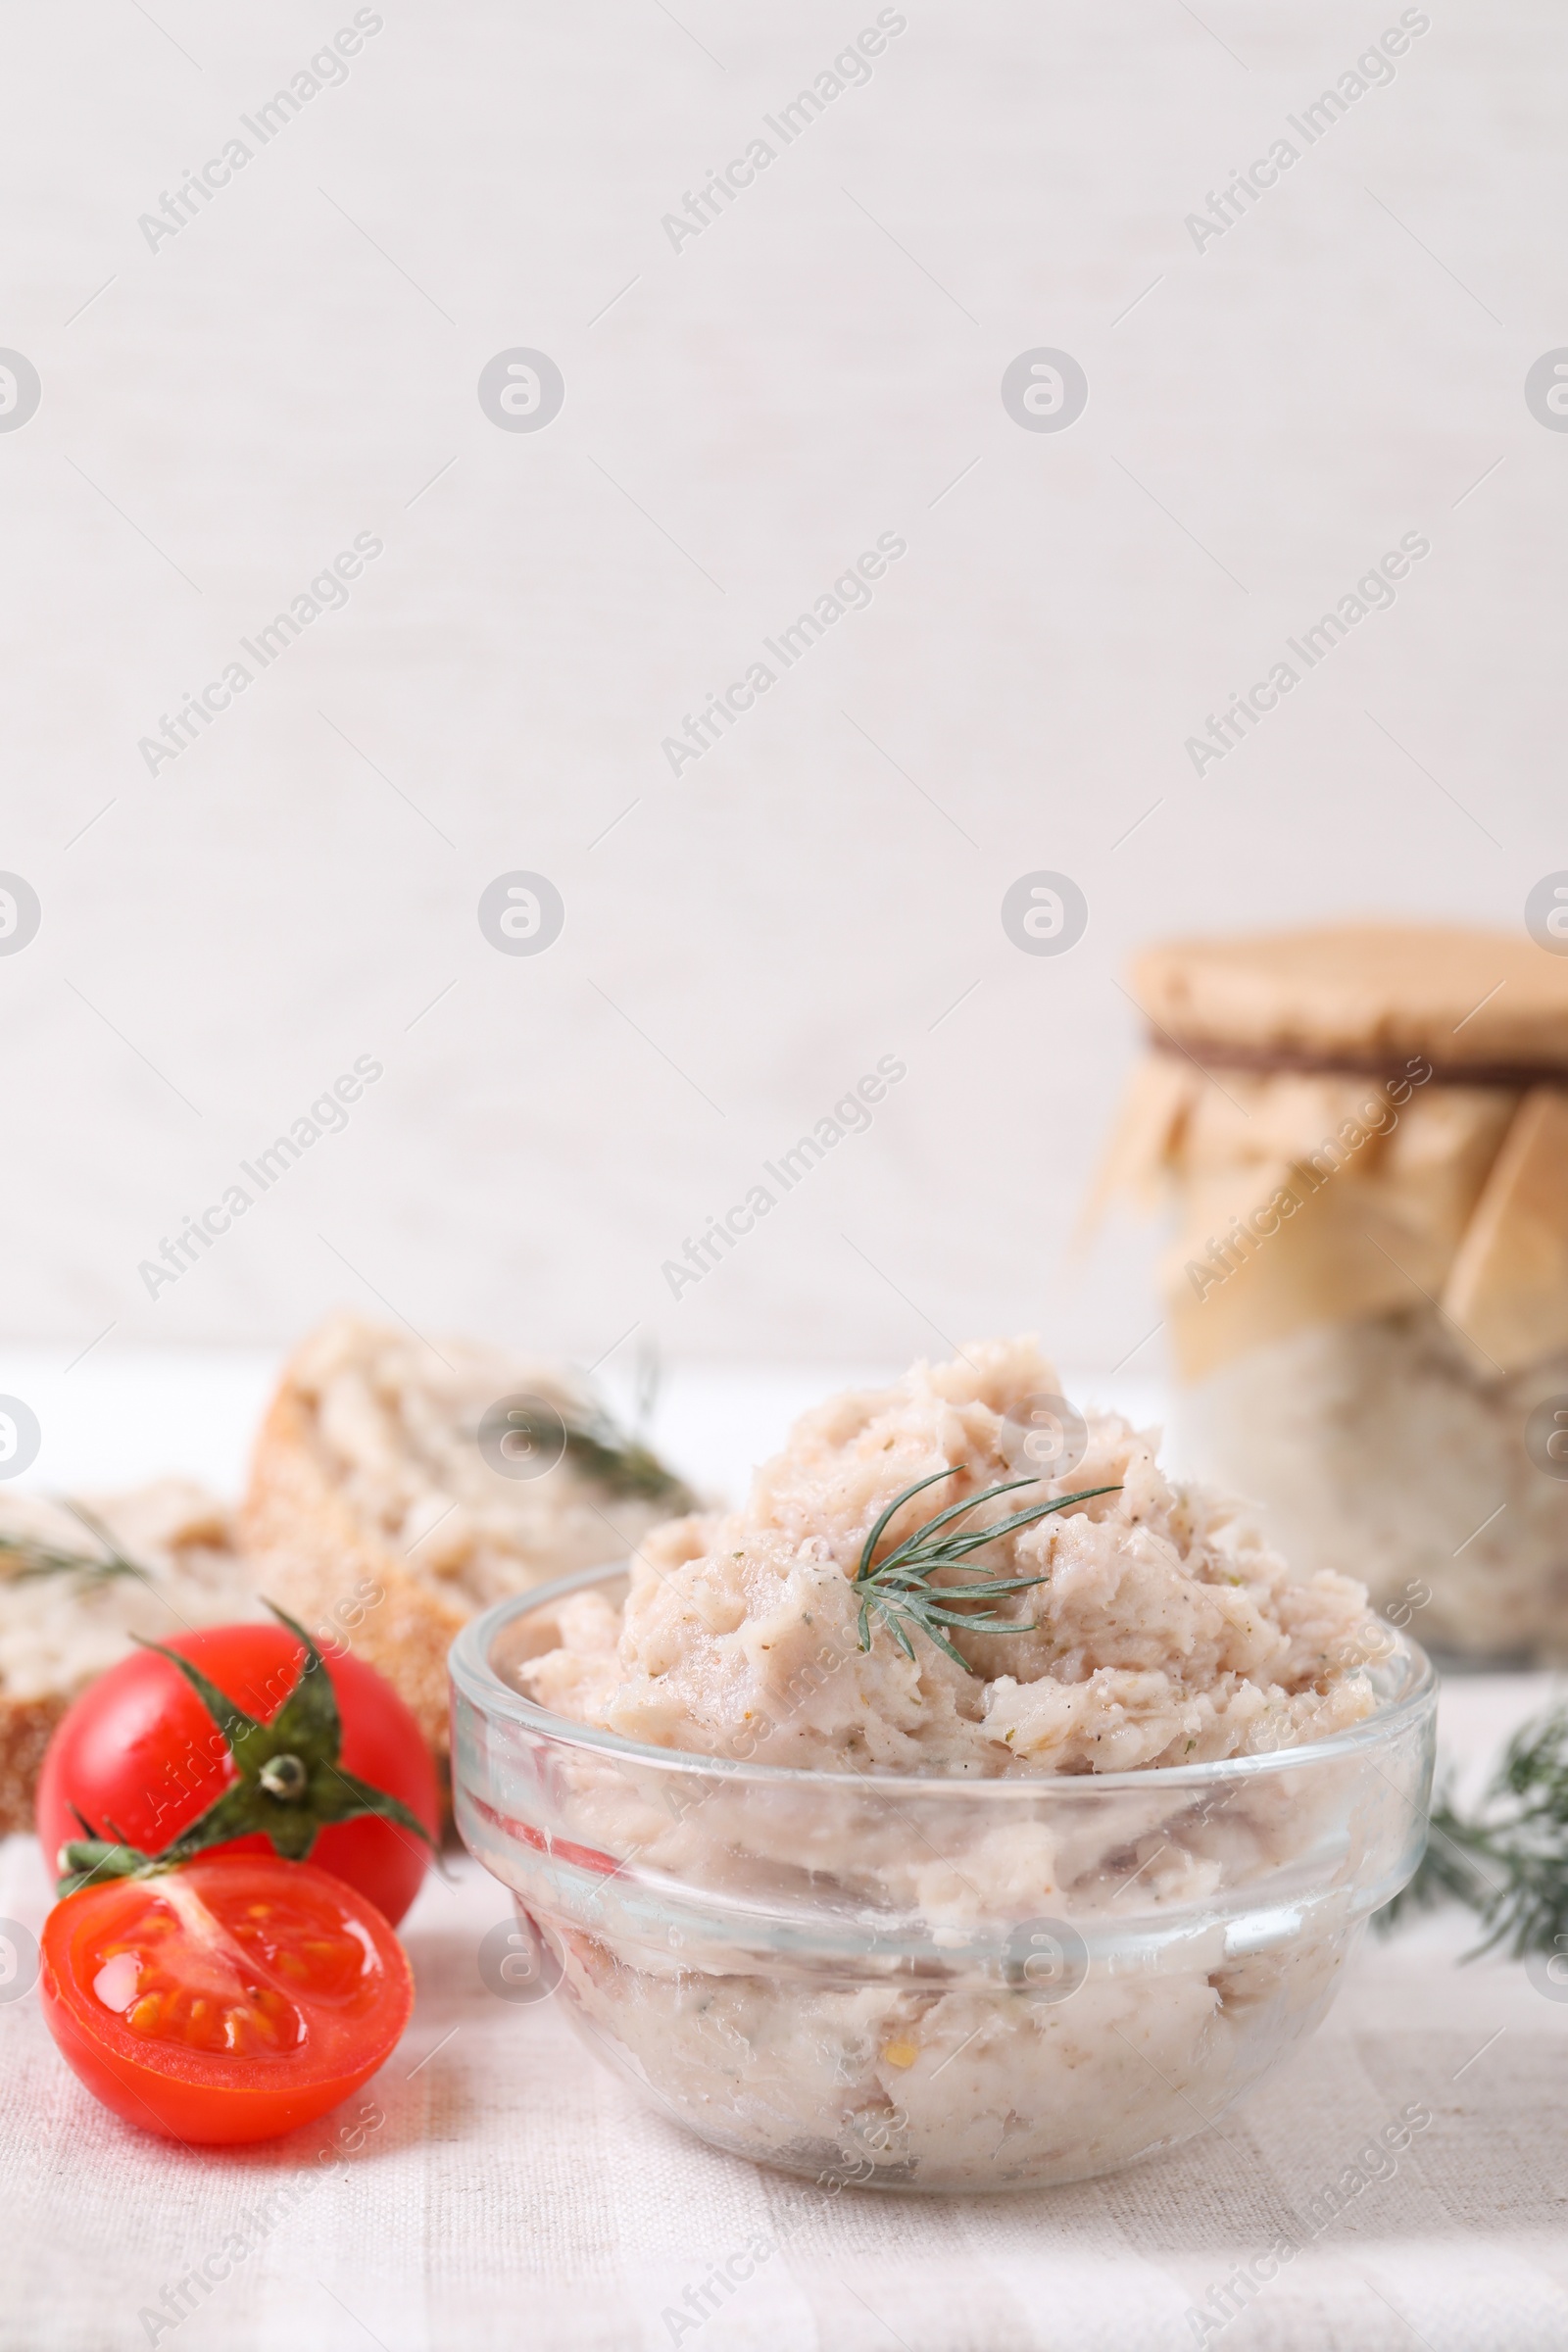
242, 1739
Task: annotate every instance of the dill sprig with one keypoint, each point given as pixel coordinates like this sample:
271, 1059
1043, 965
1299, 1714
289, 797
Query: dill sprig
586, 1434
900, 1588
1507, 1861
25, 1556
601, 1449
622, 1462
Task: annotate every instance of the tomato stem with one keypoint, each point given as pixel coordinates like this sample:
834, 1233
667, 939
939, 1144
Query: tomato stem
288, 1782
285, 1778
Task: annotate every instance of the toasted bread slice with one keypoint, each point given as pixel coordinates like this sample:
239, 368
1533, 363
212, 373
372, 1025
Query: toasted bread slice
78, 1583
376, 1516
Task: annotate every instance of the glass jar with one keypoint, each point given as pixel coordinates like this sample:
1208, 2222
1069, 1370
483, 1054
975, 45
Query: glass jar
1377, 1447
1361, 1138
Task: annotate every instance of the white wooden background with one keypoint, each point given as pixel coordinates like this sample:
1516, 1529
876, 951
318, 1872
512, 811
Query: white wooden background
224, 412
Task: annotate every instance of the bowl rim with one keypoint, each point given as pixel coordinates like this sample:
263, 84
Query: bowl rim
471, 1675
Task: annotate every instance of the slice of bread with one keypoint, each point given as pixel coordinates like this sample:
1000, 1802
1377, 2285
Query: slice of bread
375, 1517
71, 1601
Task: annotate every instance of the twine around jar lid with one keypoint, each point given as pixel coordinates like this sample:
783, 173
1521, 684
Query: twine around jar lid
1352, 1122
1484, 1007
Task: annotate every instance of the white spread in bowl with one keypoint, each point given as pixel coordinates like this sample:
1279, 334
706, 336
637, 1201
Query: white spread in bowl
851, 1905
1164, 1632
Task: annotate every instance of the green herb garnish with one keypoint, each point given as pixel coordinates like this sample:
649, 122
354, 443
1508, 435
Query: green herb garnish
601, 1449
899, 1588
598, 1445
583, 1432
1508, 1860
22, 1556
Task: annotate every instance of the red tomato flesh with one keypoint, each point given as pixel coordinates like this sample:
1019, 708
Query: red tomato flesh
138, 1756
227, 2000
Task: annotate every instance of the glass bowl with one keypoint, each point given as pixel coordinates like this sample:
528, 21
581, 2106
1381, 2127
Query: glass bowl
933, 1983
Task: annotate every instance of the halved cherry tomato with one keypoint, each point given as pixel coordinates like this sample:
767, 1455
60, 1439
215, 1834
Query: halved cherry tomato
226, 2001
138, 1757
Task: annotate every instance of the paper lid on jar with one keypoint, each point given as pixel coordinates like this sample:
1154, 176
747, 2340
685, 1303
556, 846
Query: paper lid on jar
1488, 1007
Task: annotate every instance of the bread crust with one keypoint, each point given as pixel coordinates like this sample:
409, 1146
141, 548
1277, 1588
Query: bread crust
379, 1517
27, 1726
347, 1586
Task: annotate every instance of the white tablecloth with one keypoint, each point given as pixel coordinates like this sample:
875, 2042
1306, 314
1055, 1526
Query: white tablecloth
516, 2194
